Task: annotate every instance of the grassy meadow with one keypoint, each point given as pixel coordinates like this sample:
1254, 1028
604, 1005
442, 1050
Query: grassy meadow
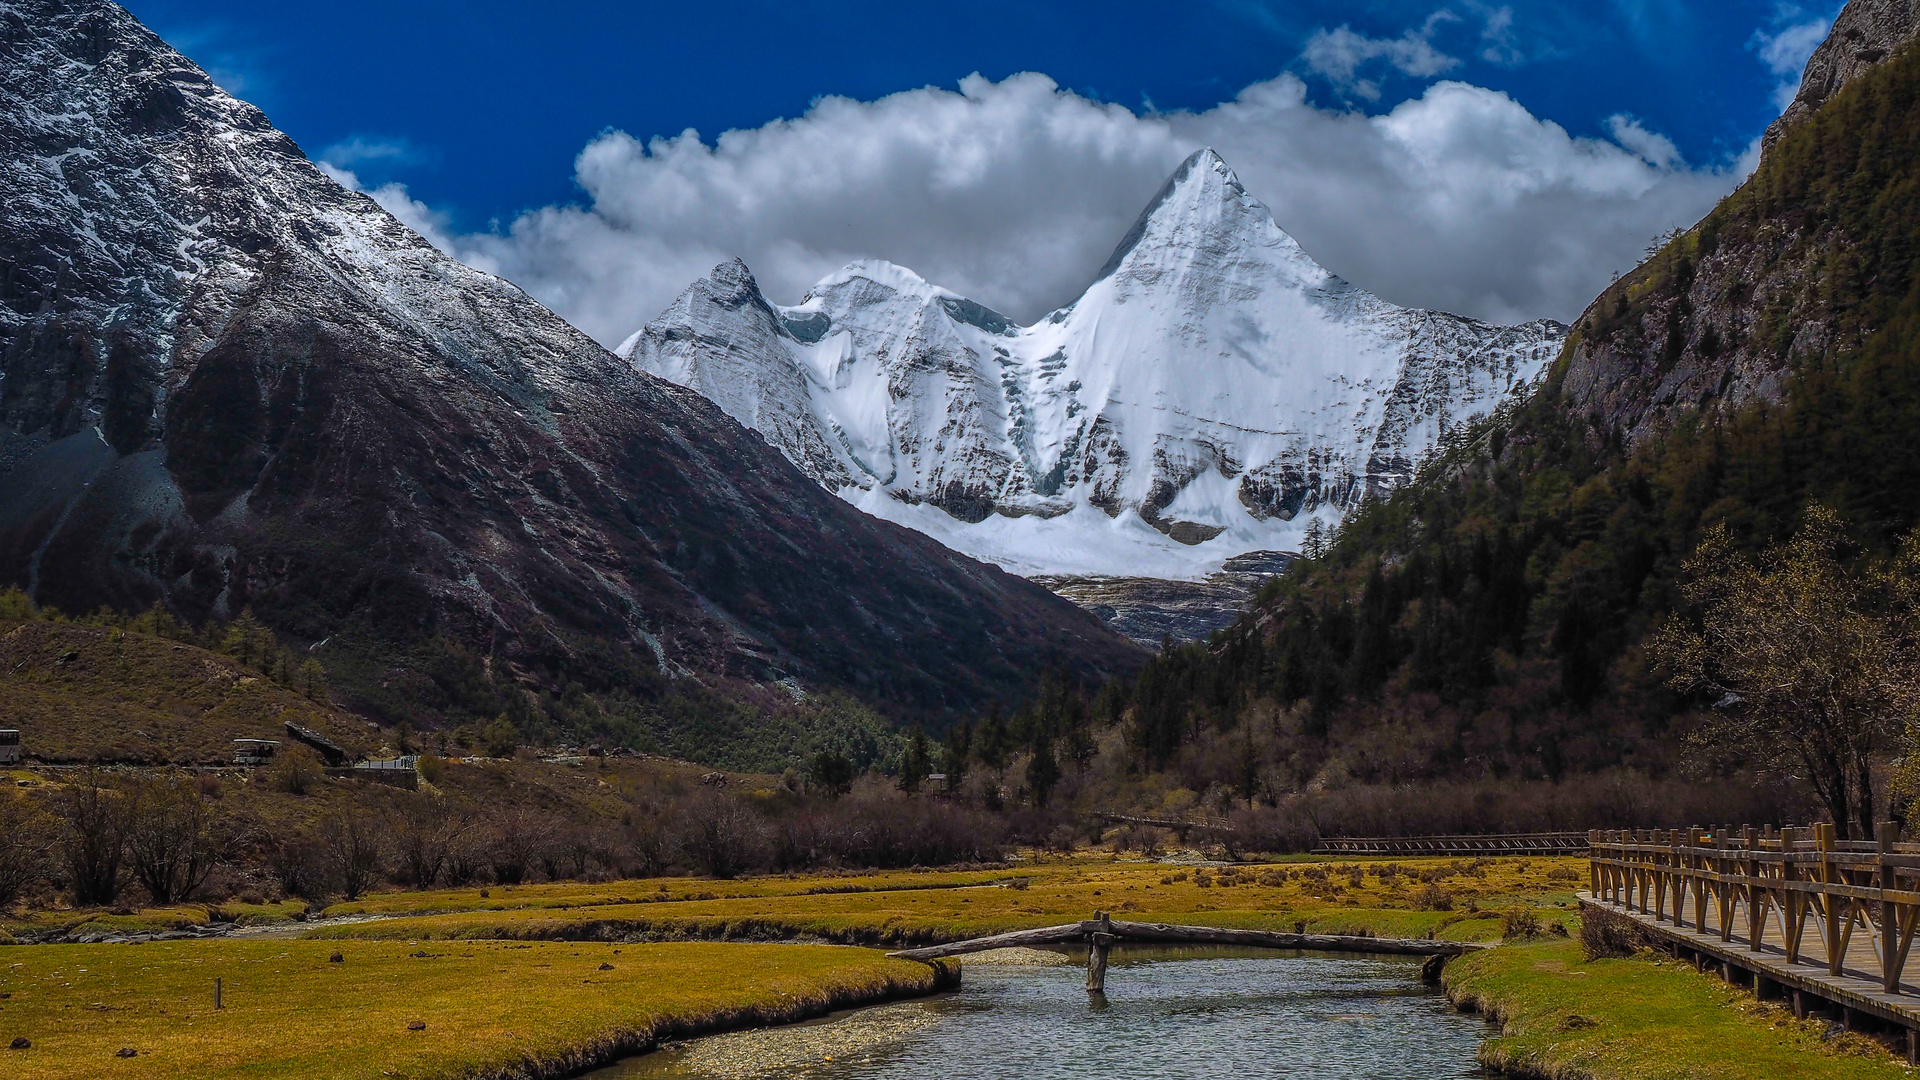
1456, 899
485, 1008
1648, 1017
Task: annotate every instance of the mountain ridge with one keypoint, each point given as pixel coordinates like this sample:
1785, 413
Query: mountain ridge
1212, 391
227, 382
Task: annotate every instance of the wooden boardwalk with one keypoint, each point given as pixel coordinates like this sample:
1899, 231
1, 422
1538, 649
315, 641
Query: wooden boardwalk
1556, 843
1825, 925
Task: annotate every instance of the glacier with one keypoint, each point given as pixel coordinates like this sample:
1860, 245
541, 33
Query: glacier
1210, 394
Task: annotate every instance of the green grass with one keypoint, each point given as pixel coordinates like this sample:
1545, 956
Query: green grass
1562, 1017
906, 907
489, 1009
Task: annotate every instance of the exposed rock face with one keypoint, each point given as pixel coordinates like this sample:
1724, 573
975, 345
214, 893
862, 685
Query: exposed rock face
1214, 387
1151, 610
1726, 313
1864, 33
227, 381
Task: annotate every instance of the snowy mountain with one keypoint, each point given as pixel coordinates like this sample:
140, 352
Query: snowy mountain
1212, 391
228, 382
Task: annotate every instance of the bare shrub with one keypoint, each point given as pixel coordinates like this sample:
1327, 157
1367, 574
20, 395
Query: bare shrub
174, 837
354, 851
294, 771
1432, 897
299, 863
93, 847
1604, 934
26, 836
1519, 923
719, 834
1563, 875
425, 828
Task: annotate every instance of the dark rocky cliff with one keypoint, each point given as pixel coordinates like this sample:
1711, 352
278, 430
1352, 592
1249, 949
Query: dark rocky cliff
225, 381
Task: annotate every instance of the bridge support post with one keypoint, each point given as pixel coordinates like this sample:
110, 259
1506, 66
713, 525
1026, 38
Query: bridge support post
1099, 942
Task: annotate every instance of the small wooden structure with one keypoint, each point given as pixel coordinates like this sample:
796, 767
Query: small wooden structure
9, 746
255, 751
1101, 933
1550, 843
400, 772
325, 747
1744, 900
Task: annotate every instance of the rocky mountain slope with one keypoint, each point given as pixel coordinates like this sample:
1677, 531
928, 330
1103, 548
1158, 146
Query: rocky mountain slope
229, 382
1491, 618
1212, 391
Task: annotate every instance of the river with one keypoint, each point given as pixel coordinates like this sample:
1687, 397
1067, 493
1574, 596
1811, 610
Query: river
1205, 1014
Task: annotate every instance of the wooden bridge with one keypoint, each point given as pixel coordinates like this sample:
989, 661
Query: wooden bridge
1101, 933
1742, 901
1548, 843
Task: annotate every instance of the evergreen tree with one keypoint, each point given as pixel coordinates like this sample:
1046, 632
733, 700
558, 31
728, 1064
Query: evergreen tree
917, 763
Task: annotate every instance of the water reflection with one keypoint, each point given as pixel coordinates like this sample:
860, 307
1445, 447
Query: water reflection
1187, 1013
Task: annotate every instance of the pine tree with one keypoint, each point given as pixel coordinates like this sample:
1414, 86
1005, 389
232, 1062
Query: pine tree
917, 764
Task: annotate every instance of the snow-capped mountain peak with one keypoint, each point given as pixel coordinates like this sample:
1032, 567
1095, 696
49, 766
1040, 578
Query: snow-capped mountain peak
1212, 390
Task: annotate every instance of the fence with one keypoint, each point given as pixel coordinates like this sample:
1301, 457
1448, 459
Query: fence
1555, 843
1764, 889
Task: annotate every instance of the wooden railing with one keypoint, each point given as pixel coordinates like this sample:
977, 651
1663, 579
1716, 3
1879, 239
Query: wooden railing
1555, 843
1765, 889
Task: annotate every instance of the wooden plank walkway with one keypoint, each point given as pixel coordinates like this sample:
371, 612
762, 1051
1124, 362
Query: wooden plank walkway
1555, 843
1806, 985
1825, 924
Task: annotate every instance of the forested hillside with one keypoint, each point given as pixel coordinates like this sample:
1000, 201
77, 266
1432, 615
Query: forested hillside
1491, 618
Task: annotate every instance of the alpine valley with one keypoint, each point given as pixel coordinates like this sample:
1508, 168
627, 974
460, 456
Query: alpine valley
1212, 393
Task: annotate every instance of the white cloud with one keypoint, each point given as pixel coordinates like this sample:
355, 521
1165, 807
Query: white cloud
1652, 147
1338, 55
432, 224
1014, 193
1787, 45
361, 150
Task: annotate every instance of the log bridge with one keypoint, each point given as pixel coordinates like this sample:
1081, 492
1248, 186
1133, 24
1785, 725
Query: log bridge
1101, 933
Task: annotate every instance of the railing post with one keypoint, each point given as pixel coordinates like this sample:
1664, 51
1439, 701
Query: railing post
1696, 836
1892, 956
1756, 898
1824, 838
1594, 855
1793, 903
1724, 890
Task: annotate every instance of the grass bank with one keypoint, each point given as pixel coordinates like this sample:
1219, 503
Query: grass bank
485, 1009
1562, 1017
1451, 899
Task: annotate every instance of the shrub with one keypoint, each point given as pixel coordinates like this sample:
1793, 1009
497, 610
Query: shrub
1563, 875
1519, 922
1433, 897
294, 771
25, 836
1604, 934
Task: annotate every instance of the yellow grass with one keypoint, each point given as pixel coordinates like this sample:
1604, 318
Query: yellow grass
905, 907
489, 1008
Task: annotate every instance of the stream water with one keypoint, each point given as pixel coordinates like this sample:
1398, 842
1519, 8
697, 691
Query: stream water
1215, 1014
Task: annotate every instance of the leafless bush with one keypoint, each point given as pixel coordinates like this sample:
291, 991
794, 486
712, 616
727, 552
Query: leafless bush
354, 851
93, 847
294, 771
517, 835
1432, 897
174, 837
719, 834
1604, 934
425, 829
26, 835
1519, 923
299, 863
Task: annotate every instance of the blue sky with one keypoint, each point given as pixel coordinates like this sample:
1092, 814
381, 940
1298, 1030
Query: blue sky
517, 135
481, 106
